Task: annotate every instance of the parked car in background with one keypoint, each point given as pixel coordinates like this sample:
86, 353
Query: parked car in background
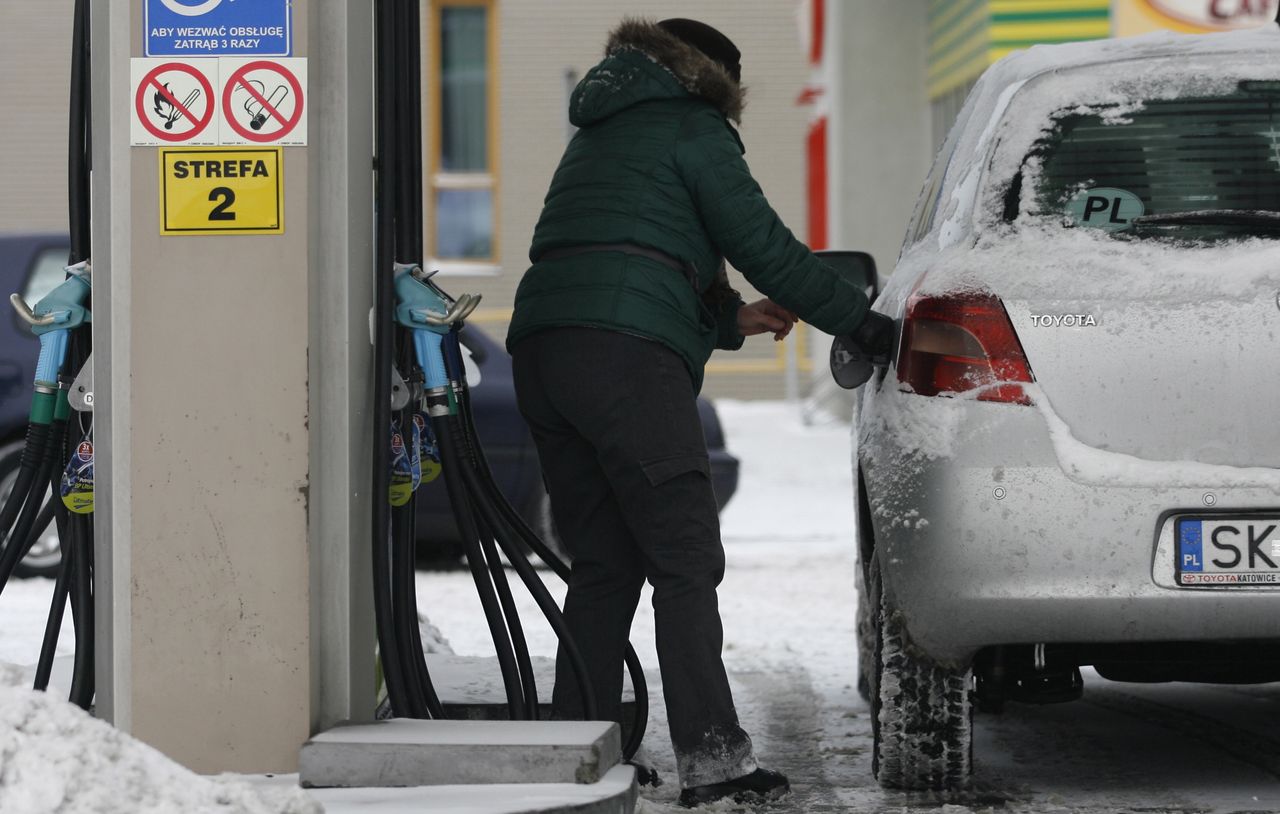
1073, 460
33, 265
30, 265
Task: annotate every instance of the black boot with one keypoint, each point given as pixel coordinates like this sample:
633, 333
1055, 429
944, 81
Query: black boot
760, 786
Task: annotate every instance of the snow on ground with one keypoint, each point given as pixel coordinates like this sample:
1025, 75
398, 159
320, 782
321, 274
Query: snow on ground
56, 758
24, 607
796, 481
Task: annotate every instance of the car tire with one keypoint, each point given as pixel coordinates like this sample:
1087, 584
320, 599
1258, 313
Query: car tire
921, 711
46, 555
865, 636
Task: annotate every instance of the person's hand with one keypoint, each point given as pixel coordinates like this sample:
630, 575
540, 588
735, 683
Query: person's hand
765, 316
876, 337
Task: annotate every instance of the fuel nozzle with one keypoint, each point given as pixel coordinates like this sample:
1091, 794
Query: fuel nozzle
53, 319
427, 311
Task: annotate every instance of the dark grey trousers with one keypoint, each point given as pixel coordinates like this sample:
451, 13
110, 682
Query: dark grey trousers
615, 421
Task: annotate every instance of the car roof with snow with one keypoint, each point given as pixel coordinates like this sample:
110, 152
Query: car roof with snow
1013, 105
1083, 72
1038, 59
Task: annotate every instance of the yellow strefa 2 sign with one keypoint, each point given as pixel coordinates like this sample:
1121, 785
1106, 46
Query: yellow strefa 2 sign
231, 191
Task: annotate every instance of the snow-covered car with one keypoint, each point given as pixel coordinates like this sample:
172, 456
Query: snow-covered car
1073, 458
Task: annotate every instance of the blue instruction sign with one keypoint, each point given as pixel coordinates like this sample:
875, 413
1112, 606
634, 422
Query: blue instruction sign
214, 28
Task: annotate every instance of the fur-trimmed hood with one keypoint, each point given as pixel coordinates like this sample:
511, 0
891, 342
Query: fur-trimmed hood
620, 81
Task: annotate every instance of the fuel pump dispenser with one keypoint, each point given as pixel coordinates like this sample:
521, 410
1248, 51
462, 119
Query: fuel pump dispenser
59, 436
423, 424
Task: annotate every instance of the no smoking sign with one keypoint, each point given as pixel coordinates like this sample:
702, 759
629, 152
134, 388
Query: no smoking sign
264, 101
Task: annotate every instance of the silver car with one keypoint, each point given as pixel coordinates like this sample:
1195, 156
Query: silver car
1073, 458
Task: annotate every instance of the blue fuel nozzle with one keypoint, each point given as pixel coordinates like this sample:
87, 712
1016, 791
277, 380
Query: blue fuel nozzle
54, 317
422, 310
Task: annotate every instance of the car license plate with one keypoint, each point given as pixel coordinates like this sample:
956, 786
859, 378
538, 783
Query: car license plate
1228, 552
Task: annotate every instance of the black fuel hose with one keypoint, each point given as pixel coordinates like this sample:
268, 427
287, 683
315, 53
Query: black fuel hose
426, 703
404, 611
426, 687
78, 136
384, 304
402, 575
404, 606
408, 252
28, 465
79, 539
79, 527
44, 518
82, 676
448, 433
61, 588
528, 683
401, 589
20, 537
545, 601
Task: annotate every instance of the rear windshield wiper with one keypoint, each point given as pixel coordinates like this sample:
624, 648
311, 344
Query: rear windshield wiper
1212, 217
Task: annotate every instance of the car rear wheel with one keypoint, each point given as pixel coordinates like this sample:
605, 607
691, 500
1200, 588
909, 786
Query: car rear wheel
921, 711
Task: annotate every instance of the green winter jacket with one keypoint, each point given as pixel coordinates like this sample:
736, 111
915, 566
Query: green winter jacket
656, 163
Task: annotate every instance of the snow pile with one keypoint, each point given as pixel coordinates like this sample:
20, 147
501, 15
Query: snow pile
56, 758
433, 641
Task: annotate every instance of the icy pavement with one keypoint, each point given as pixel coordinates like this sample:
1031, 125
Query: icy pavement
788, 607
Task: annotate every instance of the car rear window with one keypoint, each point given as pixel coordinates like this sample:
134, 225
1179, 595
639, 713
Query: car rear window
1161, 157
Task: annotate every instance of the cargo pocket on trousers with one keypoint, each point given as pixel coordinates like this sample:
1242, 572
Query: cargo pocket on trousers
661, 470
681, 529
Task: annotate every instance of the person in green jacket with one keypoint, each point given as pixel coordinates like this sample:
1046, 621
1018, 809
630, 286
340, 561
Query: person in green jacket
614, 322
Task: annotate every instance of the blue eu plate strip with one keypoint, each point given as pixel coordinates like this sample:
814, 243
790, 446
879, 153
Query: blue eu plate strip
1191, 545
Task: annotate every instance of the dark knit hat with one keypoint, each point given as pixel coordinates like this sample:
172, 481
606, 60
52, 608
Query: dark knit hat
707, 40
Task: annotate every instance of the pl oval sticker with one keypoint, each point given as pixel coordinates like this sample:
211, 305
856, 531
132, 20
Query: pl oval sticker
1105, 208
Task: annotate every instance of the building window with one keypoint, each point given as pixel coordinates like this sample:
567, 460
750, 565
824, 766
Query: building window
463, 171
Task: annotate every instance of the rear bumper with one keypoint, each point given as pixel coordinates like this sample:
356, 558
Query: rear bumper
983, 539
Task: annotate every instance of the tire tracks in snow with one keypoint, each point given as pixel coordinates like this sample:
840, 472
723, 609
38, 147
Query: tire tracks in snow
786, 725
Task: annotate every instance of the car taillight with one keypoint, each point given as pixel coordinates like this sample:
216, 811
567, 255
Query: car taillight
958, 342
